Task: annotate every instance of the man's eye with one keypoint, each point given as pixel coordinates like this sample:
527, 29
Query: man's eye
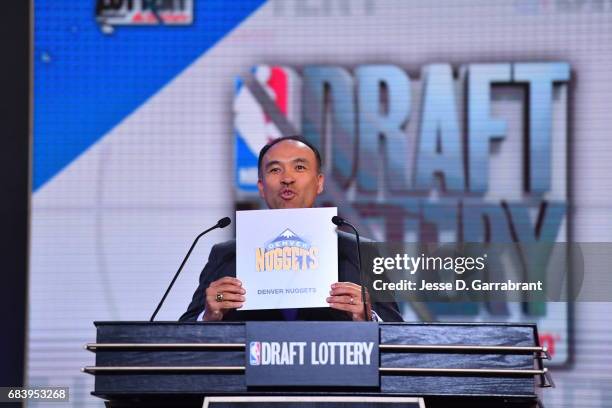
300, 167
274, 170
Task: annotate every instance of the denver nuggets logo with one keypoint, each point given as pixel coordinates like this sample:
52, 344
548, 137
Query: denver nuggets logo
287, 252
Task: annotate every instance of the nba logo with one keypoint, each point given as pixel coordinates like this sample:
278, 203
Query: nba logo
252, 127
255, 353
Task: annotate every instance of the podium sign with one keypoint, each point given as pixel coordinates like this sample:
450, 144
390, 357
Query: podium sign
306, 354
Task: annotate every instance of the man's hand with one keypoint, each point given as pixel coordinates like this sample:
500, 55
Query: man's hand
346, 296
221, 296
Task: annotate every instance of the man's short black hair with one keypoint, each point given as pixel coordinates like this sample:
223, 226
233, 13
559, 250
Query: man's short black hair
297, 138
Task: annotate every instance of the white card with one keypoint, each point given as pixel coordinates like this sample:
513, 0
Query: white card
286, 258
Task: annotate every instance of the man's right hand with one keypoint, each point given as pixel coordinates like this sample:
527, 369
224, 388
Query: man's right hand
221, 296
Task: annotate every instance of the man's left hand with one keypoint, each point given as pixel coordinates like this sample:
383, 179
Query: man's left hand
346, 296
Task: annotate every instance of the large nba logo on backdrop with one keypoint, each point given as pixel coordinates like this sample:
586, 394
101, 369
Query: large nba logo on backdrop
252, 127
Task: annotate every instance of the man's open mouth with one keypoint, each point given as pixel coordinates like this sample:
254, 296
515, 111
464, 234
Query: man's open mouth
287, 194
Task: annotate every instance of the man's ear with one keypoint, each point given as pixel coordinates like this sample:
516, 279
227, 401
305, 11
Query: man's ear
260, 188
321, 183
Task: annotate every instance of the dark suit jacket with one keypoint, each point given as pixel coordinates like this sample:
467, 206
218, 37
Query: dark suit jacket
222, 262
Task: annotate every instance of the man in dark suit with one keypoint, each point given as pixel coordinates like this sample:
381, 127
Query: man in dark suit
289, 177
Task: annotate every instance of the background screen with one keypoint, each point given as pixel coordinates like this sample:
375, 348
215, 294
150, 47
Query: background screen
444, 120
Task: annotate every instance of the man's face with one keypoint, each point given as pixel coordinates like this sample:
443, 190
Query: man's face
290, 177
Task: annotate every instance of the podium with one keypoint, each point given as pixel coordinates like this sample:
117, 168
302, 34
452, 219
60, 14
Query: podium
159, 364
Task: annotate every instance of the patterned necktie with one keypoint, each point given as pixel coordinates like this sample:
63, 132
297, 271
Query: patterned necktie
290, 314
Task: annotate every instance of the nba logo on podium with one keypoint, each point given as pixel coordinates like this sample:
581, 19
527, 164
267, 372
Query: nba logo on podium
255, 353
